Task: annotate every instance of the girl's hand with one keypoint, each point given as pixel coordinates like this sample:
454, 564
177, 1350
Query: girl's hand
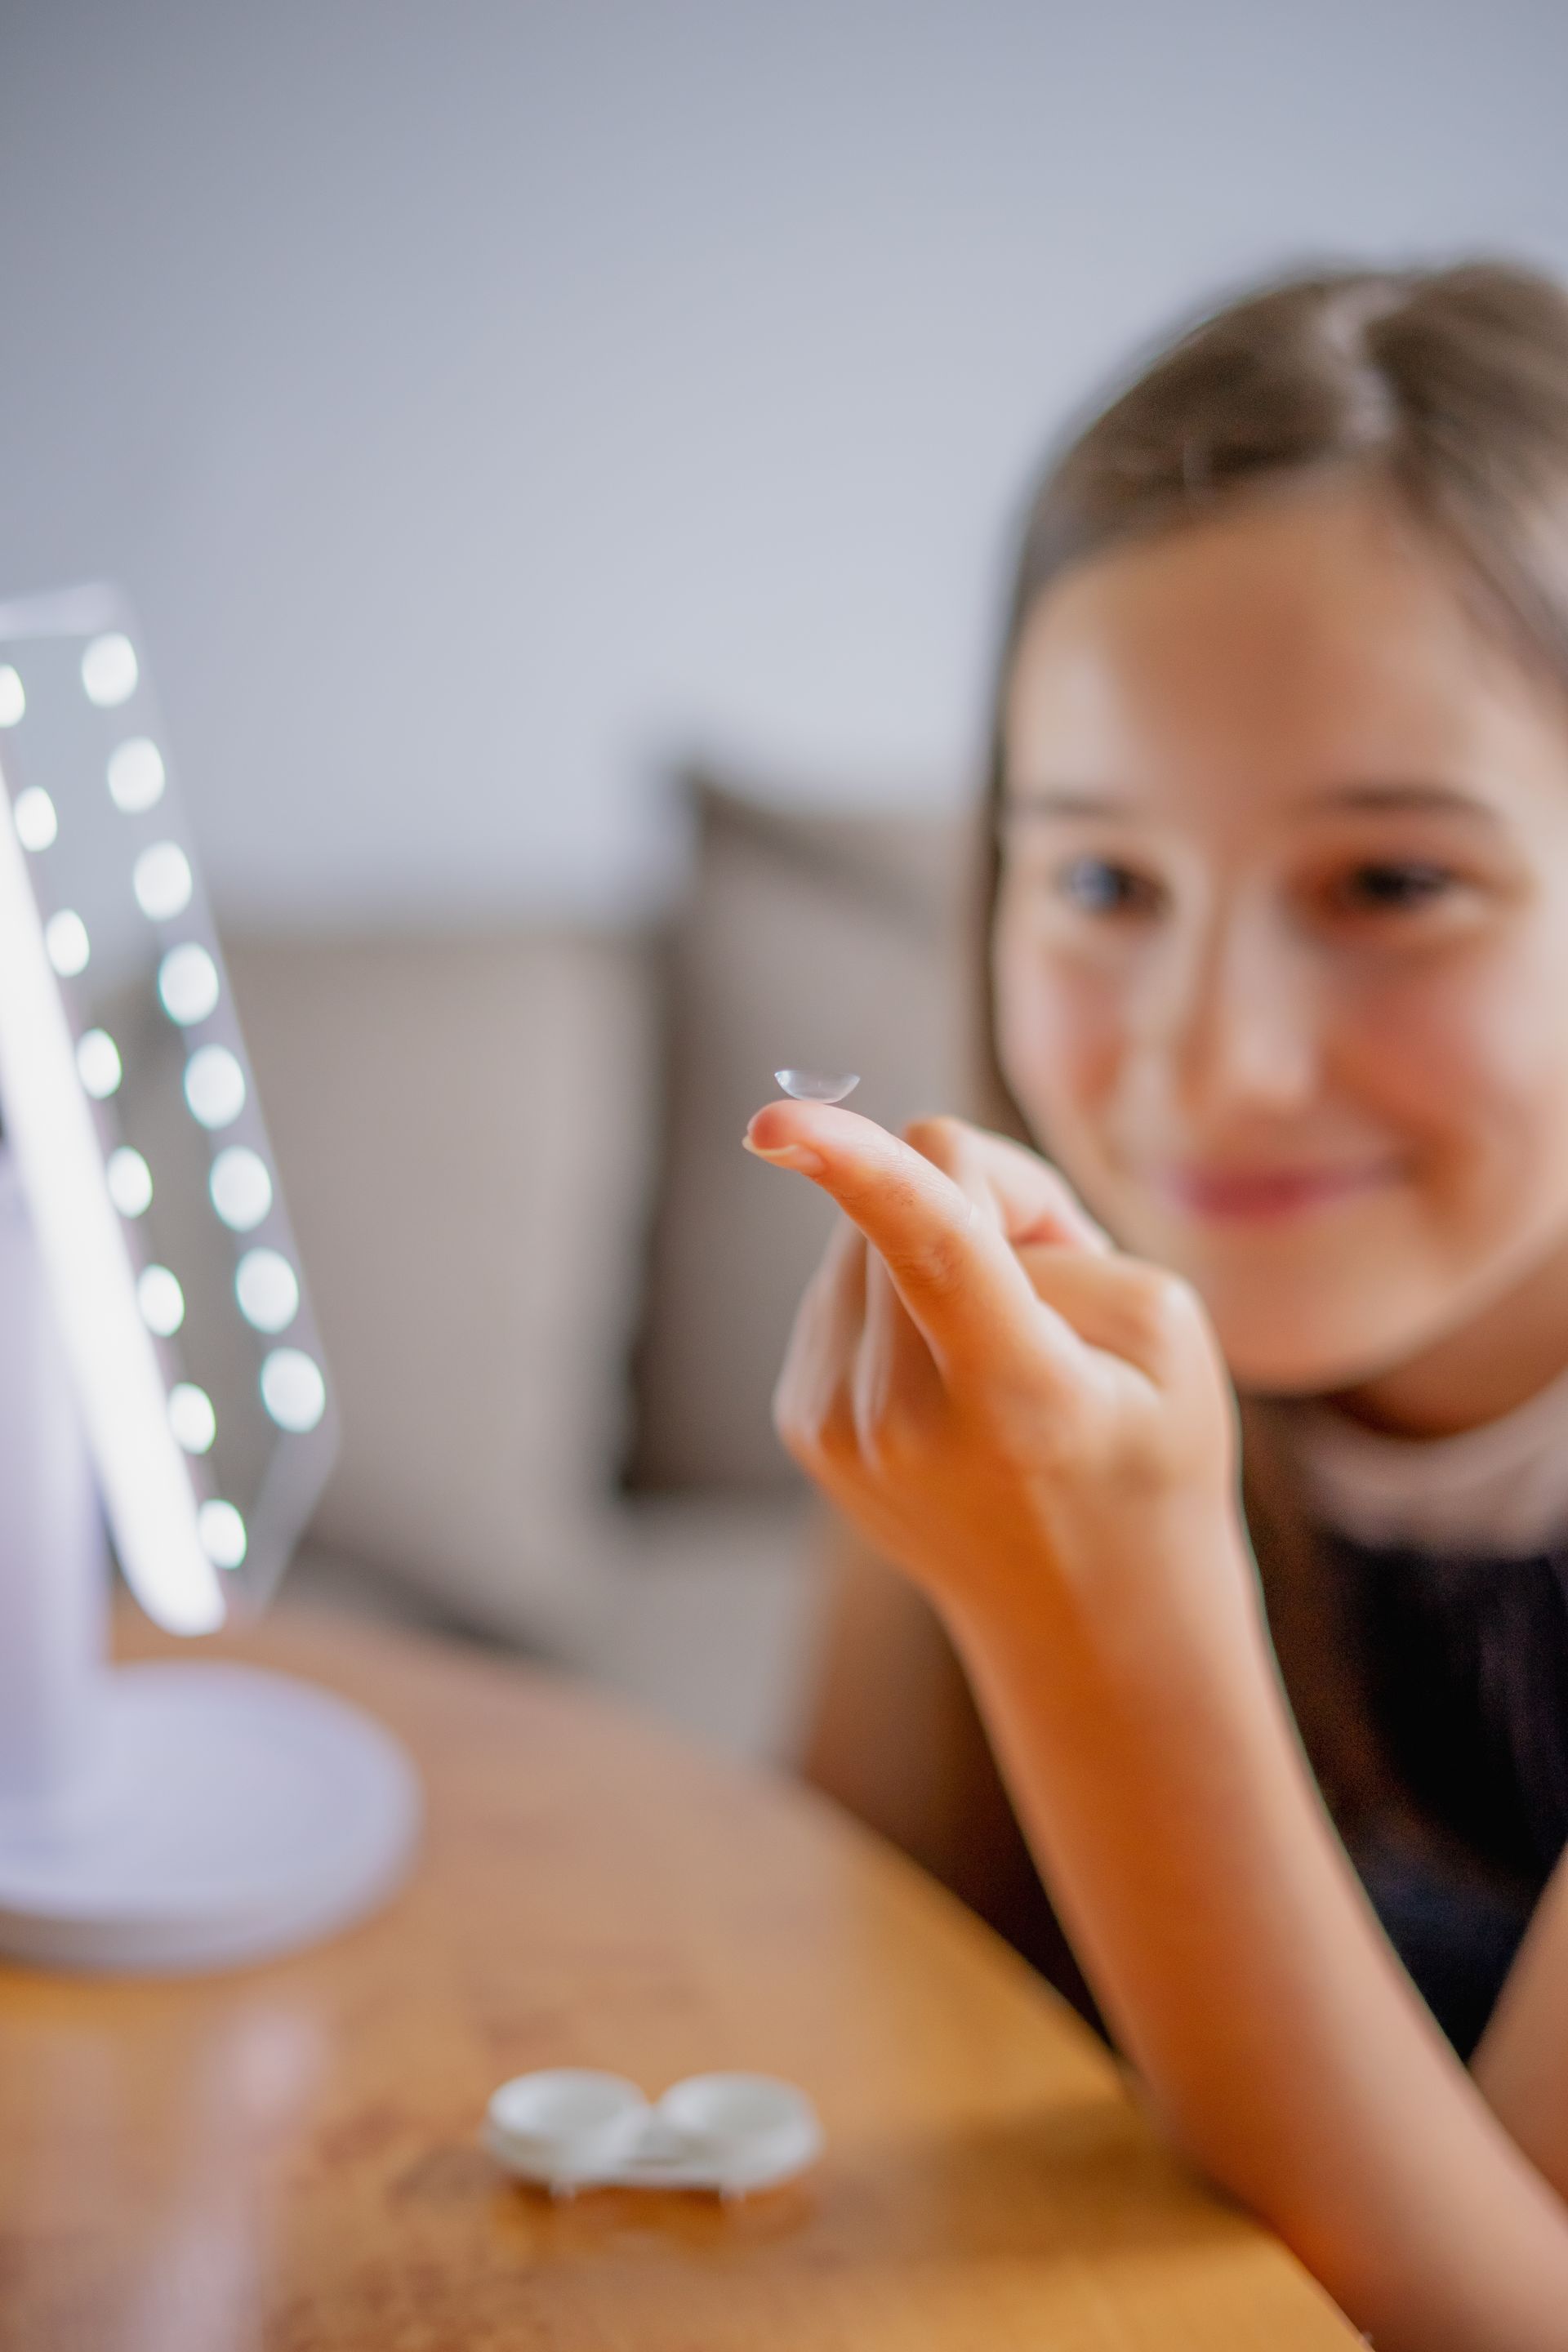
1007, 1406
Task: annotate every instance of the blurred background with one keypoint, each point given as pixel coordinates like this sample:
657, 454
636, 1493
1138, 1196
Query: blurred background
563, 454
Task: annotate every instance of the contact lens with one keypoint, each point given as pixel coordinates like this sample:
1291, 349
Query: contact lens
818, 1085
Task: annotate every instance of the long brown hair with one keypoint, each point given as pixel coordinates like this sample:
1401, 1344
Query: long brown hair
1449, 388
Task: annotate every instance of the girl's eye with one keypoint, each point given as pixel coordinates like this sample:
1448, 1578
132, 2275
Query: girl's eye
1393, 888
1097, 887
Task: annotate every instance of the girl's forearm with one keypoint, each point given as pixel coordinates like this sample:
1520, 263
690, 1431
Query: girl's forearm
1521, 2065
1159, 1777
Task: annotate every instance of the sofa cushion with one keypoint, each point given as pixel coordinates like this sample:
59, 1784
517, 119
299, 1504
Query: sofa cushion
462, 1124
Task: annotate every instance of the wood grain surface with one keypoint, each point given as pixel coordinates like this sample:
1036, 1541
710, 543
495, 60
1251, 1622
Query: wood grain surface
287, 2157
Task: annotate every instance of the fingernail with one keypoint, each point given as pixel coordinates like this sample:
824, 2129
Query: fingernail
804, 1161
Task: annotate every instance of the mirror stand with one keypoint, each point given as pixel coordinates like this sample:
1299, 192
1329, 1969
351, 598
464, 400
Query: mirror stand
159, 1817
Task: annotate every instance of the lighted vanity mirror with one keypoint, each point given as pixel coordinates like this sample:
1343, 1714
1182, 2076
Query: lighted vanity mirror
138, 1134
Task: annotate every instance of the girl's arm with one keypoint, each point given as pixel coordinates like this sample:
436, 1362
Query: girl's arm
894, 1736
1229, 1942
1521, 2064
1041, 1433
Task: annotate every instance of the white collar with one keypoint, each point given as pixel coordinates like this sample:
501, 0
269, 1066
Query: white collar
1498, 1489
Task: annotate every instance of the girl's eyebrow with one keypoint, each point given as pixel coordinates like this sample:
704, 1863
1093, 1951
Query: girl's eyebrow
1372, 795
1061, 800
1452, 800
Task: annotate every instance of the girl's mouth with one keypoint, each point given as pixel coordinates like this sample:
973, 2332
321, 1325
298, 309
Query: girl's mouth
1235, 1194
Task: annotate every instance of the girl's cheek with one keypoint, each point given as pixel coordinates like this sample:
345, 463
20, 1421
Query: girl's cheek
1469, 1064
1059, 1041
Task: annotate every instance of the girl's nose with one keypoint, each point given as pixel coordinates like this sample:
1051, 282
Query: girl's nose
1239, 1019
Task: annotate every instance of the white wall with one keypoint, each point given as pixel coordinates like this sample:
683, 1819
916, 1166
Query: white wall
481, 402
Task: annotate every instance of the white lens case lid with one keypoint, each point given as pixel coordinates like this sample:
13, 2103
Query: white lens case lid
571, 2128
569, 2122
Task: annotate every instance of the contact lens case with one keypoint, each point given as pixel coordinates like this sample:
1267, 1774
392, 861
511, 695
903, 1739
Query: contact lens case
571, 2128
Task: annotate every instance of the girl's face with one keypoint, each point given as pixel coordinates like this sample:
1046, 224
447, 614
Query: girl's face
1281, 947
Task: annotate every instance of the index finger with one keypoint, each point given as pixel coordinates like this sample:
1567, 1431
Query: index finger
950, 1265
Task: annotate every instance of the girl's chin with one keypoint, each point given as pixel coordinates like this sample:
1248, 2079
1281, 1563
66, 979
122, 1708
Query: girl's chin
1292, 1356
1310, 1300
1319, 1323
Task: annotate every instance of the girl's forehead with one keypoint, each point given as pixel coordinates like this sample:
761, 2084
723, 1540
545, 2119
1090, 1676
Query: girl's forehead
1292, 641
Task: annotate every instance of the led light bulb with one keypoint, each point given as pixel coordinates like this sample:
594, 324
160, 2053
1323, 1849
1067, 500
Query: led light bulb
160, 878
268, 1289
188, 984
130, 1181
13, 697
161, 1300
293, 1389
191, 1418
97, 1061
34, 819
241, 1187
817, 1086
109, 670
67, 944
215, 1086
136, 777
222, 1531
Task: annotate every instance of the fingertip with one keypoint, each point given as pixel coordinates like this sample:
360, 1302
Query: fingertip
798, 1156
818, 1126
775, 1124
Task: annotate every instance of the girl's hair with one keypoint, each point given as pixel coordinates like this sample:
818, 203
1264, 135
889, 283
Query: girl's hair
1449, 389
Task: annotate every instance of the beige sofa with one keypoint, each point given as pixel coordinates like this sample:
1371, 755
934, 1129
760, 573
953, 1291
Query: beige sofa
554, 1290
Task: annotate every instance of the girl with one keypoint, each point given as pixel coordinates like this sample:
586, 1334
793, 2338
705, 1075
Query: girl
1277, 970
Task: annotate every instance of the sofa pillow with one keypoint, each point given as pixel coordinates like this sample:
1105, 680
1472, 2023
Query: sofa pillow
810, 936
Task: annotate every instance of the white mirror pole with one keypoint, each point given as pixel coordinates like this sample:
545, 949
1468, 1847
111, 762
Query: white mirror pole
52, 1629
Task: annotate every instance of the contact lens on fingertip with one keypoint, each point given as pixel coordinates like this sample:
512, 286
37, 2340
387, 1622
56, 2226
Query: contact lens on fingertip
818, 1085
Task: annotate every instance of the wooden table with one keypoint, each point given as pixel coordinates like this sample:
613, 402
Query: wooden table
287, 2157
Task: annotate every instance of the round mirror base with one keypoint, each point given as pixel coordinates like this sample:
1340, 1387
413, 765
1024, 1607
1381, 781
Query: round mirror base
230, 1815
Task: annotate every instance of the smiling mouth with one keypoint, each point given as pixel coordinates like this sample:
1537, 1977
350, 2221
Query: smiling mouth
1230, 1194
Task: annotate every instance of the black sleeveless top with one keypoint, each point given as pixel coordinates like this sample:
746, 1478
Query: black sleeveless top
1464, 1666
